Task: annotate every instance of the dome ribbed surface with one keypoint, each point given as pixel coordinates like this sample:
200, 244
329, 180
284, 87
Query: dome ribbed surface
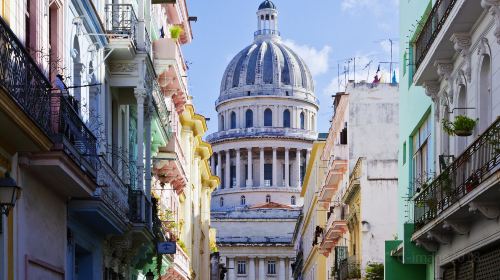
267, 62
267, 5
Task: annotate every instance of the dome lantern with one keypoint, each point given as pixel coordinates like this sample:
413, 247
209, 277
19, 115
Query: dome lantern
267, 20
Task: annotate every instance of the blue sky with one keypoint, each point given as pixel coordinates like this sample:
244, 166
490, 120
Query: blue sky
322, 32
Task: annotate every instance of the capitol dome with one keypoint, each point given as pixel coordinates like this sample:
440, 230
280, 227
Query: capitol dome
267, 66
267, 114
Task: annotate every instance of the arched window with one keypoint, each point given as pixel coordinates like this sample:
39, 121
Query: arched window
461, 142
292, 200
233, 120
268, 198
243, 200
485, 99
221, 202
268, 117
286, 118
221, 123
302, 121
249, 118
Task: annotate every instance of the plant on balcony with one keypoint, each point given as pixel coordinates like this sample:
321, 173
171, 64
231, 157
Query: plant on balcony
375, 271
461, 126
354, 272
176, 32
182, 245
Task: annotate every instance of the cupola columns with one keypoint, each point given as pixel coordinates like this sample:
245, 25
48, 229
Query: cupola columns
267, 22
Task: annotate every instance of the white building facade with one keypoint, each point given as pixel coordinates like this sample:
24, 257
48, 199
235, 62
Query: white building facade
267, 123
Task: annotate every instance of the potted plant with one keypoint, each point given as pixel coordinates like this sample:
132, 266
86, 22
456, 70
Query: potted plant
175, 32
461, 126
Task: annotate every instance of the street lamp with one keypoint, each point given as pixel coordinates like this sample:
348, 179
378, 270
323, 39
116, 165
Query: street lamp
9, 192
150, 275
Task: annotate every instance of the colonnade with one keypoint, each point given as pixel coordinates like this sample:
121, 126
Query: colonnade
258, 268
287, 181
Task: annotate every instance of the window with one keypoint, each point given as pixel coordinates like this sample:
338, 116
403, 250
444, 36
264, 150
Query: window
268, 117
243, 200
242, 267
421, 154
268, 174
232, 174
233, 120
292, 200
221, 202
485, 99
302, 121
268, 198
286, 118
271, 267
343, 135
249, 118
221, 123
404, 153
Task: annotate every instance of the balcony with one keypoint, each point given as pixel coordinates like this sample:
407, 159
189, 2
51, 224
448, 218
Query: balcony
123, 30
337, 168
170, 165
109, 206
349, 269
264, 32
299, 95
177, 14
336, 226
24, 95
432, 43
140, 208
254, 132
161, 110
470, 181
180, 268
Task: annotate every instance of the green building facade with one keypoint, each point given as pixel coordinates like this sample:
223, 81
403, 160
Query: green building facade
403, 259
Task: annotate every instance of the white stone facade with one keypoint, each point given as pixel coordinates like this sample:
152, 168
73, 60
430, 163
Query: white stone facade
460, 74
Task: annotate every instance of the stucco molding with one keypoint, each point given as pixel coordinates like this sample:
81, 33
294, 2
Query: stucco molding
493, 7
462, 44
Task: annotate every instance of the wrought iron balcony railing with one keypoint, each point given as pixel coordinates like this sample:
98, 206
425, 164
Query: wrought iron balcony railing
139, 207
431, 28
161, 109
112, 190
72, 135
478, 162
349, 268
21, 78
121, 21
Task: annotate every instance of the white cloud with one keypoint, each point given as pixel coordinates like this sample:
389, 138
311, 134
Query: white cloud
316, 59
378, 8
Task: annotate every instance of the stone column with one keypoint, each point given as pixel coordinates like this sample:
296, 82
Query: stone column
261, 164
250, 168
308, 157
212, 164
287, 167
281, 269
290, 271
140, 96
262, 268
228, 169
147, 144
238, 168
219, 165
231, 272
251, 269
297, 166
275, 167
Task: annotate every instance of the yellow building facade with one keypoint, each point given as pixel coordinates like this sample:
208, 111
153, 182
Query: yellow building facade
310, 262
